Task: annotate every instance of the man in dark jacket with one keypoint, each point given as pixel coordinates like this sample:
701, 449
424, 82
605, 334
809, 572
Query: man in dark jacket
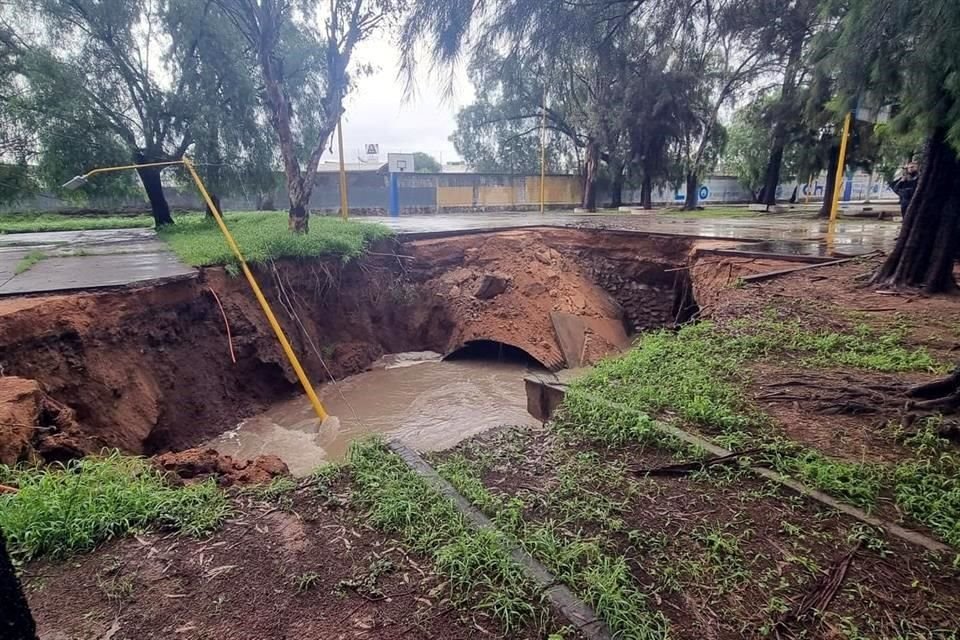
906, 185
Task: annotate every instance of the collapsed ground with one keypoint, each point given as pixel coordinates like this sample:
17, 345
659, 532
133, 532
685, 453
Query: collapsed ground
808, 372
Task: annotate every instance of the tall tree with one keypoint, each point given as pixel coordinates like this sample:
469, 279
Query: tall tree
910, 52
500, 131
426, 163
305, 75
138, 69
785, 30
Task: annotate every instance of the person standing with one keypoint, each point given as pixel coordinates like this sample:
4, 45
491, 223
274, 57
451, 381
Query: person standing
906, 185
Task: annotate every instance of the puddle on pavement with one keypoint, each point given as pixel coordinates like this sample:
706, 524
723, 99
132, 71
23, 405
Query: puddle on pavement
430, 404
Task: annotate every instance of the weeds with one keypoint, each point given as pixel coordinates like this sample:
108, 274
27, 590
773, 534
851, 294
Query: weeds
271, 491
307, 581
60, 510
696, 376
476, 562
29, 261
365, 582
600, 579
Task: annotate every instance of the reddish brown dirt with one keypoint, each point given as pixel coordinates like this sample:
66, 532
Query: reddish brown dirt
545, 270
242, 583
784, 544
198, 465
149, 369
34, 426
844, 413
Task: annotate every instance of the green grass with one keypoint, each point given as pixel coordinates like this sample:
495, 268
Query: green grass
477, 563
697, 376
600, 578
39, 222
28, 261
264, 236
60, 510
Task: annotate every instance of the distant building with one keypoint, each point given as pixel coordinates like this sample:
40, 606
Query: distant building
456, 167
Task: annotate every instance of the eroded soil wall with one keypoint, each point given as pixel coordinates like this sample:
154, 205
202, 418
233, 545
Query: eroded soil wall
150, 369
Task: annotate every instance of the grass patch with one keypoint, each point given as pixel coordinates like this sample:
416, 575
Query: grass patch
41, 222
696, 376
477, 563
601, 579
60, 510
264, 236
28, 261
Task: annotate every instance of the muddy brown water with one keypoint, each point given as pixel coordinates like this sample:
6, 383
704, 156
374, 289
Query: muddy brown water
428, 403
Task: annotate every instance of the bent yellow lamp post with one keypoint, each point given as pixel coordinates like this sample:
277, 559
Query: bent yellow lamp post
79, 181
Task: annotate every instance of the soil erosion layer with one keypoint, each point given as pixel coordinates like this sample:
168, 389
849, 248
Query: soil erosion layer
154, 368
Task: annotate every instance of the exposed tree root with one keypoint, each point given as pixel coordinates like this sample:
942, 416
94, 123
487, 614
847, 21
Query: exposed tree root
818, 599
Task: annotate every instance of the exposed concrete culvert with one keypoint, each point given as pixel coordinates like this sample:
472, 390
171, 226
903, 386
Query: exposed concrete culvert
148, 369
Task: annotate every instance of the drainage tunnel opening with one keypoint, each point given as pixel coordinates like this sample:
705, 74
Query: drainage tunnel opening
492, 350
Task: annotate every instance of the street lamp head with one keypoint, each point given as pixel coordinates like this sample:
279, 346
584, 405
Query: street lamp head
75, 183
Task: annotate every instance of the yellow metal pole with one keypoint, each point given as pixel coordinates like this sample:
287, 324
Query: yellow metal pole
835, 208
543, 154
281, 337
343, 171
132, 166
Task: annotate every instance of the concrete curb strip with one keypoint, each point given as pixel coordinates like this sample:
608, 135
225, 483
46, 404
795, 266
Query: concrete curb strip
909, 535
580, 615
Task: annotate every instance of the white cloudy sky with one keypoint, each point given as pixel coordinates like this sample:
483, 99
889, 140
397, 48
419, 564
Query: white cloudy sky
378, 111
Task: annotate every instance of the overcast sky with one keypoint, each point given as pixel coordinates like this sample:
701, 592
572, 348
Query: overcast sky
377, 111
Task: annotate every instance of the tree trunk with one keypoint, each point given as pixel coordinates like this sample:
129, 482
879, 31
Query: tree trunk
831, 183
927, 247
772, 179
616, 185
299, 205
16, 623
150, 178
590, 177
693, 192
646, 192
778, 140
216, 203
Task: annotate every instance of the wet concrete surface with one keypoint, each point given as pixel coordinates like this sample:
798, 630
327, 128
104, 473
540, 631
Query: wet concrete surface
428, 404
793, 234
85, 259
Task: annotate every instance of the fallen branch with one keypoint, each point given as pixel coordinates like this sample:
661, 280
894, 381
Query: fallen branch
5, 489
686, 468
781, 272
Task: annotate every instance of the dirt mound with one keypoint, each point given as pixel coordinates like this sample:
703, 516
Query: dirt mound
197, 465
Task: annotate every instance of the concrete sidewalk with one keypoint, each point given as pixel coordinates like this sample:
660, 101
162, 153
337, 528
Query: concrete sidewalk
86, 260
